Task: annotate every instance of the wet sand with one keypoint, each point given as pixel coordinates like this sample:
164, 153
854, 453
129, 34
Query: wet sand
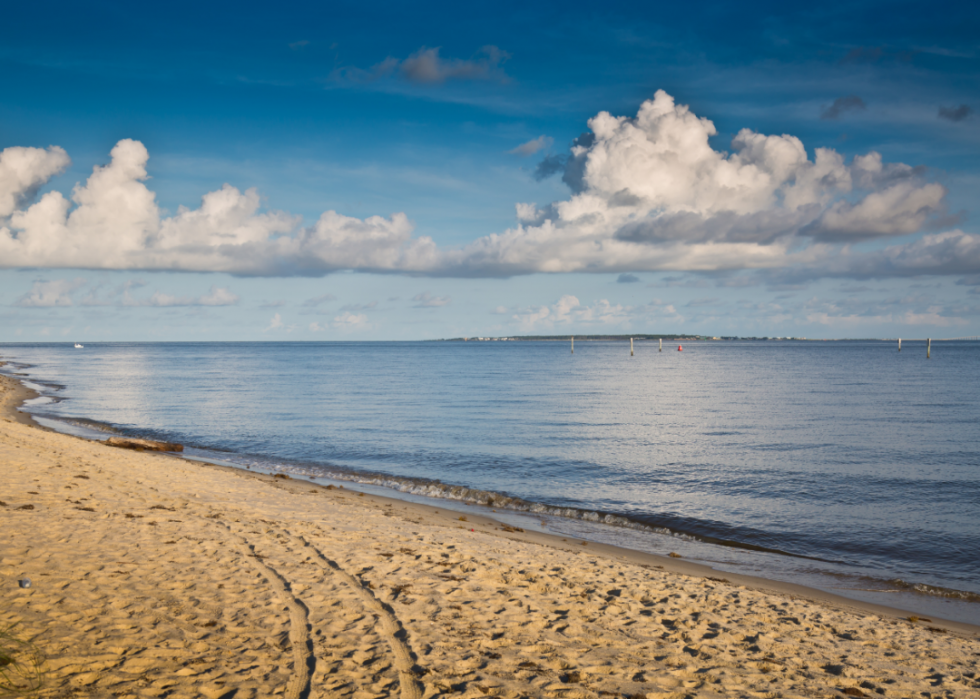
155, 576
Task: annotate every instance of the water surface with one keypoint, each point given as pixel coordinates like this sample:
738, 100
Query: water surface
845, 465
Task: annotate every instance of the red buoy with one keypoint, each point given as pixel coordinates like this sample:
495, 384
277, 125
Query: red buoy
680, 348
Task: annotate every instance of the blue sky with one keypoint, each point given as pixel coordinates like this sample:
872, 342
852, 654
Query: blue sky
340, 171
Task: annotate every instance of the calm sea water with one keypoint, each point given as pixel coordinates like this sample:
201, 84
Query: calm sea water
844, 465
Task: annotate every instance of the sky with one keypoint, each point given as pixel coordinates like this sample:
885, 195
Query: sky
351, 171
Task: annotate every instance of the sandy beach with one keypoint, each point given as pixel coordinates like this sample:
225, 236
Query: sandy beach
155, 576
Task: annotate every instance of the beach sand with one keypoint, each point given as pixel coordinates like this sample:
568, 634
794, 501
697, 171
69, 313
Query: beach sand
154, 576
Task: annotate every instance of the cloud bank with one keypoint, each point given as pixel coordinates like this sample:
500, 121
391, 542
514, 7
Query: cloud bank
61, 293
648, 193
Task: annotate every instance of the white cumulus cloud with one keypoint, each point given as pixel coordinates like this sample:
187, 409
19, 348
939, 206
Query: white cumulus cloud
649, 193
23, 171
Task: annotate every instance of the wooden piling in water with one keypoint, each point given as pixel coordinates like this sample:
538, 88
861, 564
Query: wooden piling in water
929, 348
631, 346
899, 344
573, 344
661, 345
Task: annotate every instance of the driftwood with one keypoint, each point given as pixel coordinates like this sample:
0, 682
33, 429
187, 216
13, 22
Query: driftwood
142, 444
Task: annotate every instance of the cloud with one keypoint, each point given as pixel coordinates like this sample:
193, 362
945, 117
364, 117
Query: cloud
737, 281
533, 146
427, 67
317, 300
572, 166
947, 254
350, 321
568, 310
527, 212
359, 306
25, 170
49, 294
656, 196
835, 315
345, 322
122, 296
426, 300
648, 193
955, 113
116, 224
901, 208
275, 323
707, 301
217, 296
679, 281
296, 45
552, 164
848, 103
627, 279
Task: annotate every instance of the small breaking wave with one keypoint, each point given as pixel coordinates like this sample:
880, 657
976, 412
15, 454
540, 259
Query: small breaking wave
488, 498
84, 423
935, 591
467, 495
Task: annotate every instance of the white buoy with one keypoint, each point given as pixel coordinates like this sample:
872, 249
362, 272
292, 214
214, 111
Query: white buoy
573, 344
661, 345
899, 344
929, 348
631, 346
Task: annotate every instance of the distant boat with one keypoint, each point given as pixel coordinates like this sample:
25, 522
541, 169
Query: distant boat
78, 345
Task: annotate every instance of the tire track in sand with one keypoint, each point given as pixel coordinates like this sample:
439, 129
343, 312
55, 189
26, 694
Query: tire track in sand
304, 660
392, 629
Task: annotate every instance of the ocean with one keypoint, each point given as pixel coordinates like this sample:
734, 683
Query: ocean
846, 465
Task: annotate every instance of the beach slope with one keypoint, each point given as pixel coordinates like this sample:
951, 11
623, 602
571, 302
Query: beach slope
155, 576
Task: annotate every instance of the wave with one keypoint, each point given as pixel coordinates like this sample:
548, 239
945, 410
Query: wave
81, 422
488, 498
474, 496
935, 590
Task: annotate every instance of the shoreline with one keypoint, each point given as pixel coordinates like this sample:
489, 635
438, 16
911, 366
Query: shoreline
20, 394
156, 575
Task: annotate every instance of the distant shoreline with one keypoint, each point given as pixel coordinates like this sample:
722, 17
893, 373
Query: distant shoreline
691, 338
606, 338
